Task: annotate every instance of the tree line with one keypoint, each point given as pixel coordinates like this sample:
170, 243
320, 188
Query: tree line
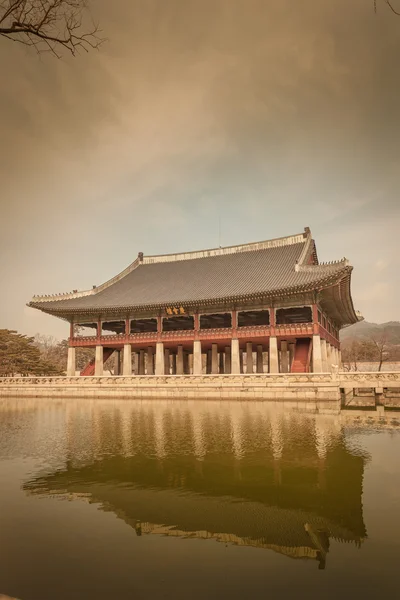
38, 355
375, 349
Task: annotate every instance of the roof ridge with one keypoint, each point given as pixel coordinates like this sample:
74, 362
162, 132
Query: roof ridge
344, 262
289, 240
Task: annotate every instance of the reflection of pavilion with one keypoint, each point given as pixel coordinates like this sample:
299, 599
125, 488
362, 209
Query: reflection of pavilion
279, 481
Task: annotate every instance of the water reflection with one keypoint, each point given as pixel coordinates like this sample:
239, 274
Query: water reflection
241, 474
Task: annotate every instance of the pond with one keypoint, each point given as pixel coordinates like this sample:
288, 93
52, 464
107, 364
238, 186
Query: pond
174, 499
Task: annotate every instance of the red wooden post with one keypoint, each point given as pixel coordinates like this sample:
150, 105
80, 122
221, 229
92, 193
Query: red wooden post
99, 328
159, 327
315, 319
196, 325
127, 327
272, 321
234, 320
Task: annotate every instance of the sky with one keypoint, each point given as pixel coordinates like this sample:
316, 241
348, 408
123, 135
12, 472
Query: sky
265, 116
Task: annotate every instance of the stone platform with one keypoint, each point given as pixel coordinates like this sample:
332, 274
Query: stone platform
318, 392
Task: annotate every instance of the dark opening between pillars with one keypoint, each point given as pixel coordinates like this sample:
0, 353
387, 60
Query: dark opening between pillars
286, 316
247, 318
114, 326
178, 323
216, 321
143, 325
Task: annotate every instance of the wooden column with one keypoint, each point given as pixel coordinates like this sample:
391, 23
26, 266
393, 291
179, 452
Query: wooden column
315, 319
272, 320
196, 325
127, 327
249, 357
99, 329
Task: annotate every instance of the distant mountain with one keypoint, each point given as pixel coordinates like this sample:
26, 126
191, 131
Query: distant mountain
365, 330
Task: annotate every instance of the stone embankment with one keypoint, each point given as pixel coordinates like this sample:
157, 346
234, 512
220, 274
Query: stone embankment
322, 392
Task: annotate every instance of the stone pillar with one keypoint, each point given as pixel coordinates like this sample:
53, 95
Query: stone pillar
273, 355
197, 358
235, 357
228, 367
324, 356
259, 362
291, 355
249, 357
186, 363
117, 364
337, 357
208, 362
214, 359
167, 362
98, 364
160, 365
127, 360
340, 360
71, 362
316, 354
329, 356
221, 363
173, 366
284, 357
150, 361
179, 361
241, 361
141, 362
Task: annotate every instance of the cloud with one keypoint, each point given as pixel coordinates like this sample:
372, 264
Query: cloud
266, 115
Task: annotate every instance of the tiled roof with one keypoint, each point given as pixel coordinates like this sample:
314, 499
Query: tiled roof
265, 268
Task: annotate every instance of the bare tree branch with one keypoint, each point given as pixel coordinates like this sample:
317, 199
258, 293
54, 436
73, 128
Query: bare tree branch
48, 25
390, 5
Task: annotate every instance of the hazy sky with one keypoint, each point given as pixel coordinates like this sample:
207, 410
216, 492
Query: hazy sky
275, 114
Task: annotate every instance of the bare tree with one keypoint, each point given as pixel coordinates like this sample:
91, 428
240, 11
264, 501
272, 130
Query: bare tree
49, 25
390, 5
382, 349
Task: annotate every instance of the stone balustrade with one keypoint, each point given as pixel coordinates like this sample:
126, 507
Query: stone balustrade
316, 392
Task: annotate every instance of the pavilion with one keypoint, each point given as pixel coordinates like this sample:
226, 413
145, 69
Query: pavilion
261, 307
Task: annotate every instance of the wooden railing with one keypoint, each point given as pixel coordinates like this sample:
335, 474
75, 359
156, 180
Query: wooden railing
188, 335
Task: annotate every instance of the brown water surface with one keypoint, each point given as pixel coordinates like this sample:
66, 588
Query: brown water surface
129, 499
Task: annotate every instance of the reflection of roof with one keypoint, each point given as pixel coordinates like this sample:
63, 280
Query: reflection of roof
177, 514
259, 269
